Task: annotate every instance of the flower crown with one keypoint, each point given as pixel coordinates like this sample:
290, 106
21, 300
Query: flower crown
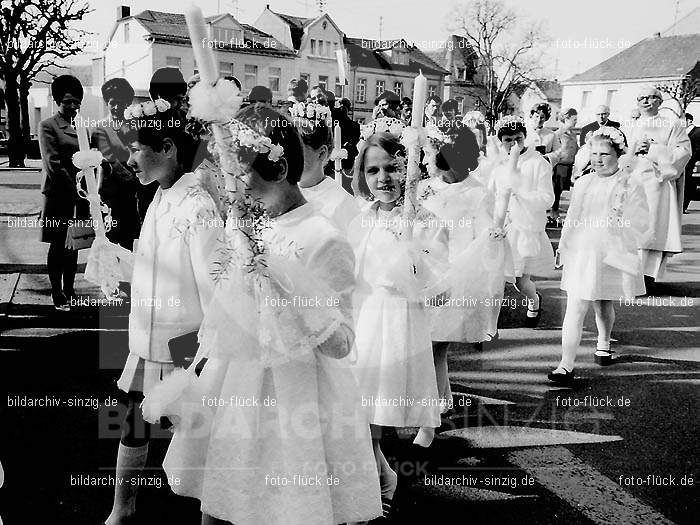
246, 137
509, 121
613, 134
390, 125
312, 111
475, 115
147, 109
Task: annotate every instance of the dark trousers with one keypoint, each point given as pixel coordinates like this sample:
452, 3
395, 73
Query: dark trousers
62, 265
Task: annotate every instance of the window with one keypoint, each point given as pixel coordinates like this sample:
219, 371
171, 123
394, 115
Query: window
461, 73
225, 69
432, 90
306, 78
223, 34
460, 105
274, 79
323, 81
398, 88
196, 71
320, 47
584, 99
126, 32
610, 96
313, 46
361, 94
251, 76
173, 61
335, 47
379, 88
338, 88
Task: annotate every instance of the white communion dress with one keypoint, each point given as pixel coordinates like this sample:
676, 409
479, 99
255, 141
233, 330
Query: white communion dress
607, 219
394, 368
532, 195
477, 262
273, 430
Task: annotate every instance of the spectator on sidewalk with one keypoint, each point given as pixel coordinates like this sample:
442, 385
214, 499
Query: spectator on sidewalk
690, 185
119, 184
58, 141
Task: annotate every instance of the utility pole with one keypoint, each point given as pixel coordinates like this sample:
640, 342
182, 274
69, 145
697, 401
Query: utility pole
381, 23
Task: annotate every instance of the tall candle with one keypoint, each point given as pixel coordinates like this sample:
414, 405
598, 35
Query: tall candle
337, 145
83, 142
202, 53
90, 179
420, 88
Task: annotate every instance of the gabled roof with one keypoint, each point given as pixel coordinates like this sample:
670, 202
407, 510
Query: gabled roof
364, 57
657, 57
172, 27
296, 26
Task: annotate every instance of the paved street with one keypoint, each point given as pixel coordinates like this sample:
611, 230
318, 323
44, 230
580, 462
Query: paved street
620, 447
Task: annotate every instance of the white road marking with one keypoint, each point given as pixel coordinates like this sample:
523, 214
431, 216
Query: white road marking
599, 498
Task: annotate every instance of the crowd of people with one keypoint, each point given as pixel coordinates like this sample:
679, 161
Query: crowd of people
401, 270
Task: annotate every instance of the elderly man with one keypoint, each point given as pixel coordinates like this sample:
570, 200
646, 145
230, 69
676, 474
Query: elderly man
602, 115
665, 143
690, 186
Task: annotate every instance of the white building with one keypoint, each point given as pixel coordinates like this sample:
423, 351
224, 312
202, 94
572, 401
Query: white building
653, 61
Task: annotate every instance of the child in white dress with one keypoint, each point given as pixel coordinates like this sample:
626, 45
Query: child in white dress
463, 209
171, 285
531, 195
275, 432
394, 366
605, 222
315, 128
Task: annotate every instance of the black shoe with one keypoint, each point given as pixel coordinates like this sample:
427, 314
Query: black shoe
532, 322
561, 379
60, 301
603, 357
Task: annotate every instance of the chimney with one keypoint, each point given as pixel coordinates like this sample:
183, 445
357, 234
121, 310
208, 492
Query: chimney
123, 11
657, 35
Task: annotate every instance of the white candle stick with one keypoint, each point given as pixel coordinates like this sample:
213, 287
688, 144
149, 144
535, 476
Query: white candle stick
420, 88
203, 54
410, 206
90, 180
337, 145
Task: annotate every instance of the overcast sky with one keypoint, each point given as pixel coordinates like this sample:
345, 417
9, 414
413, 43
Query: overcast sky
583, 32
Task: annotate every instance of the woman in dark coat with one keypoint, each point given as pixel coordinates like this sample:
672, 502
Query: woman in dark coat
58, 141
119, 184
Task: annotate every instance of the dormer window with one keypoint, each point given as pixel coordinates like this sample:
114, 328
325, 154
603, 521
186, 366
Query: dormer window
227, 34
399, 57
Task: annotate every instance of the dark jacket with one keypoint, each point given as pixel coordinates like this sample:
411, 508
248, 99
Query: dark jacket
592, 127
58, 141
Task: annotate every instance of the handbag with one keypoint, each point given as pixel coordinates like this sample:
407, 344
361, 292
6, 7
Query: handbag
79, 237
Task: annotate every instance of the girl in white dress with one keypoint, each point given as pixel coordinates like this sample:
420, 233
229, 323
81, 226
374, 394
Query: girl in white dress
178, 237
531, 195
315, 128
394, 366
273, 430
463, 208
605, 222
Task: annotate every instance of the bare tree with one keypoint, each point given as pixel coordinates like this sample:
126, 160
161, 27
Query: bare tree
34, 35
506, 49
682, 92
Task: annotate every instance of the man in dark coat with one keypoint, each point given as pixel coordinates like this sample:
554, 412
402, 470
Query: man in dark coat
602, 114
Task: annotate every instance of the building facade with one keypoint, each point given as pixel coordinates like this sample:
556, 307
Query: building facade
660, 60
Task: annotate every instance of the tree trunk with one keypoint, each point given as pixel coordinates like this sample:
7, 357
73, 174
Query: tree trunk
24, 86
15, 144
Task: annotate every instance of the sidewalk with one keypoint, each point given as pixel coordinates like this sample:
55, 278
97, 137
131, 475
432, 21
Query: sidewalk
30, 165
